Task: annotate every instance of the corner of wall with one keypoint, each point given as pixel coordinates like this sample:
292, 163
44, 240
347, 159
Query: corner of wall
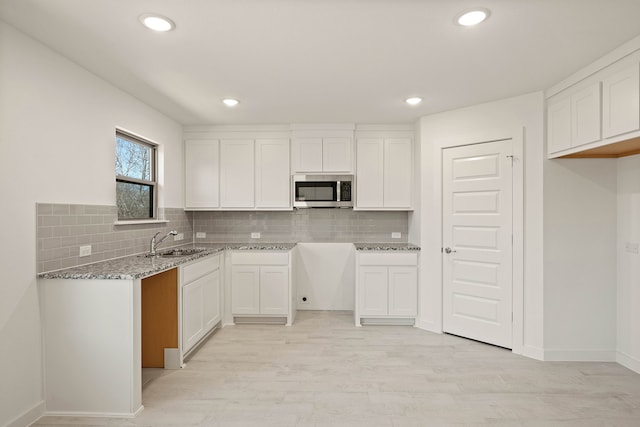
28, 417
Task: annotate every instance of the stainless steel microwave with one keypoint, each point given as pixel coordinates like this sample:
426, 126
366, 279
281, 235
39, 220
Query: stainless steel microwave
323, 191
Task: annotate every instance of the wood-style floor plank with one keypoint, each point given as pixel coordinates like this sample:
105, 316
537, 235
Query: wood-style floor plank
322, 371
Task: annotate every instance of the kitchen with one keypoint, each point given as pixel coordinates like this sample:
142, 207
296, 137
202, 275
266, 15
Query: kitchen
69, 168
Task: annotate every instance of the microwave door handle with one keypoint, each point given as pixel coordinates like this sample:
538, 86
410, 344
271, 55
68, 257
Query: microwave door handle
338, 191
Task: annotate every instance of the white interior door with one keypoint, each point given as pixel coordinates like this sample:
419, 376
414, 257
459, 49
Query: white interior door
477, 242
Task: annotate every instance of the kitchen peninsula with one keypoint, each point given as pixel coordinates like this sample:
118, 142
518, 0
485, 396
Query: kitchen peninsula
93, 317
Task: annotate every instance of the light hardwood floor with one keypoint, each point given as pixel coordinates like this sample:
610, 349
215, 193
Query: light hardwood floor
322, 371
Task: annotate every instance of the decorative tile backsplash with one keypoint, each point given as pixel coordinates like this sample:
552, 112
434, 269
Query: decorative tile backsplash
303, 225
63, 228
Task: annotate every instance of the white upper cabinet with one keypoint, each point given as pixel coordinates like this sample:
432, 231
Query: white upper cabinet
573, 119
322, 155
336, 155
621, 102
307, 154
384, 177
201, 174
236, 173
370, 176
238, 169
596, 111
398, 177
273, 181
585, 115
559, 125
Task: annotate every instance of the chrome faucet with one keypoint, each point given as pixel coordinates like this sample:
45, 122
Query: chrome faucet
154, 244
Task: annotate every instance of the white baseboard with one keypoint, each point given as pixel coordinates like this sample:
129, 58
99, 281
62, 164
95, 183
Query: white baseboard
628, 362
579, 355
29, 416
94, 414
531, 352
428, 326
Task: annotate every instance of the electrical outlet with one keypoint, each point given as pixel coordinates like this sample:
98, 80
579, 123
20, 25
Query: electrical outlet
304, 300
632, 248
201, 235
396, 235
179, 236
255, 235
85, 251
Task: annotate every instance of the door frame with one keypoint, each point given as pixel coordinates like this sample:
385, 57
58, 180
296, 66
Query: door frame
517, 138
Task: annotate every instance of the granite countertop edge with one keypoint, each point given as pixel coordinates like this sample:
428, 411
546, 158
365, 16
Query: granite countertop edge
137, 267
384, 247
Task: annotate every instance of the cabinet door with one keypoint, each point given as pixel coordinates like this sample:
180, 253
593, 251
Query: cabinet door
272, 173
236, 173
245, 289
274, 290
559, 125
211, 293
370, 173
397, 173
201, 174
307, 154
403, 291
192, 313
621, 102
585, 115
373, 290
336, 155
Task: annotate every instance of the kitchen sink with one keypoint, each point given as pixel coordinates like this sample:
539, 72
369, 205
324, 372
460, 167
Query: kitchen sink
180, 252
174, 253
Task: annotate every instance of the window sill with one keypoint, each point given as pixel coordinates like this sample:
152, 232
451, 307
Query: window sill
142, 221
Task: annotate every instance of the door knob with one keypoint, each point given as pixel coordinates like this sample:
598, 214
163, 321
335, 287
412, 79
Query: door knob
449, 250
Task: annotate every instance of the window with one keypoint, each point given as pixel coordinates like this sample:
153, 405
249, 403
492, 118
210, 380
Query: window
135, 177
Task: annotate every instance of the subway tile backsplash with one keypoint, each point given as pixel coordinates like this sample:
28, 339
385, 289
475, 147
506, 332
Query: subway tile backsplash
303, 225
63, 228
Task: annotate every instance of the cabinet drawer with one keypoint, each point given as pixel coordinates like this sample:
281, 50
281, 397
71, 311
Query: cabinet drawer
260, 258
388, 259
199, 268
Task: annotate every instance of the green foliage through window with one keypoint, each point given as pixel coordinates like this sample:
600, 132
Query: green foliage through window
135, 177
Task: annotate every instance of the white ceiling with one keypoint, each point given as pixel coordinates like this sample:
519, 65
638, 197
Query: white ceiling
326, 61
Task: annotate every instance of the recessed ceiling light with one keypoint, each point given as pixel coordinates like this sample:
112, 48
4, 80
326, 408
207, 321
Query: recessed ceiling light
157, 22
413, 101
472, 17
230, 102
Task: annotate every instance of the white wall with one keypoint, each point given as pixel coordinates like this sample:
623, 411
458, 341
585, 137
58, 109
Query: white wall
326, 276
628, 266
580, 259
57, 126
496, 120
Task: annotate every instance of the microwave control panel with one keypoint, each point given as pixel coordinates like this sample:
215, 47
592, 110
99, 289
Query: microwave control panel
345, 191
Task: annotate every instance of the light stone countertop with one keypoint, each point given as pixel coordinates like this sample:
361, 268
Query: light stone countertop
386, 247
138, 266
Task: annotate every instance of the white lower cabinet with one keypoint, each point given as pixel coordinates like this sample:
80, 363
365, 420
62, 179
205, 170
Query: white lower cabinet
386, 286
200, 300
261, 285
